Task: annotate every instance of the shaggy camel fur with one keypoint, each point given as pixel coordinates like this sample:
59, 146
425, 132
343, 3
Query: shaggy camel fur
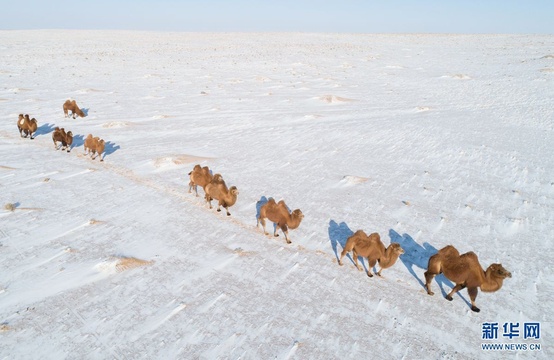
465, 271
199, 176
279, 214
217, 190
71, 105
26, 125
372, 248
64, 138
94, 145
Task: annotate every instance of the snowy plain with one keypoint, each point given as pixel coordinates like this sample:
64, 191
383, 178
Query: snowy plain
429, 140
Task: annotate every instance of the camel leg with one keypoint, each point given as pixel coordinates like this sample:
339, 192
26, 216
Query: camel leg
275, 227
433, 269
227, 209
345, 250
285, 231
261, 220
371, 264
208, 200
429, 276
456, 288
355, 256
472, 291
342, 254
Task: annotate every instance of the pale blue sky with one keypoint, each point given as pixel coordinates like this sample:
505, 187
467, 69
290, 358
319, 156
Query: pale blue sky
352, 16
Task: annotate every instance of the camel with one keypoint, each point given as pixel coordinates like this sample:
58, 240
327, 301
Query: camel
65, 138
199, 176
465, 271
26, 125
279, 214
217, 190
89, 144
71, 105
372, 248
94, 145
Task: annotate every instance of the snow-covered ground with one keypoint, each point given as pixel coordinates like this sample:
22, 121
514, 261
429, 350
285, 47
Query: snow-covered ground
429, 140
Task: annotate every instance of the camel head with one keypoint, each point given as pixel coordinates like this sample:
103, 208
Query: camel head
233, 191
497, 270
396, 248
298, 214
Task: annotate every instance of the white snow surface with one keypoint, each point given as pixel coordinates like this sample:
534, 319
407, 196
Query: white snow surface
429, 140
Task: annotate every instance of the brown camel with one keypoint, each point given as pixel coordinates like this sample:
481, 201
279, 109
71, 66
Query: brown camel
94, 145
71, 105
199, 176
279, 214
217, 190
372, 248
65, 138
465, 271
26, 126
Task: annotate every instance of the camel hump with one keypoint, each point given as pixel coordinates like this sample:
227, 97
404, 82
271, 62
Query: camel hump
375, 236
449, 251
470, 256
360, 233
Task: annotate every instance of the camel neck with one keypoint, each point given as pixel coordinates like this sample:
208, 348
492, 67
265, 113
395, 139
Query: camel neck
490, 282
389, 258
